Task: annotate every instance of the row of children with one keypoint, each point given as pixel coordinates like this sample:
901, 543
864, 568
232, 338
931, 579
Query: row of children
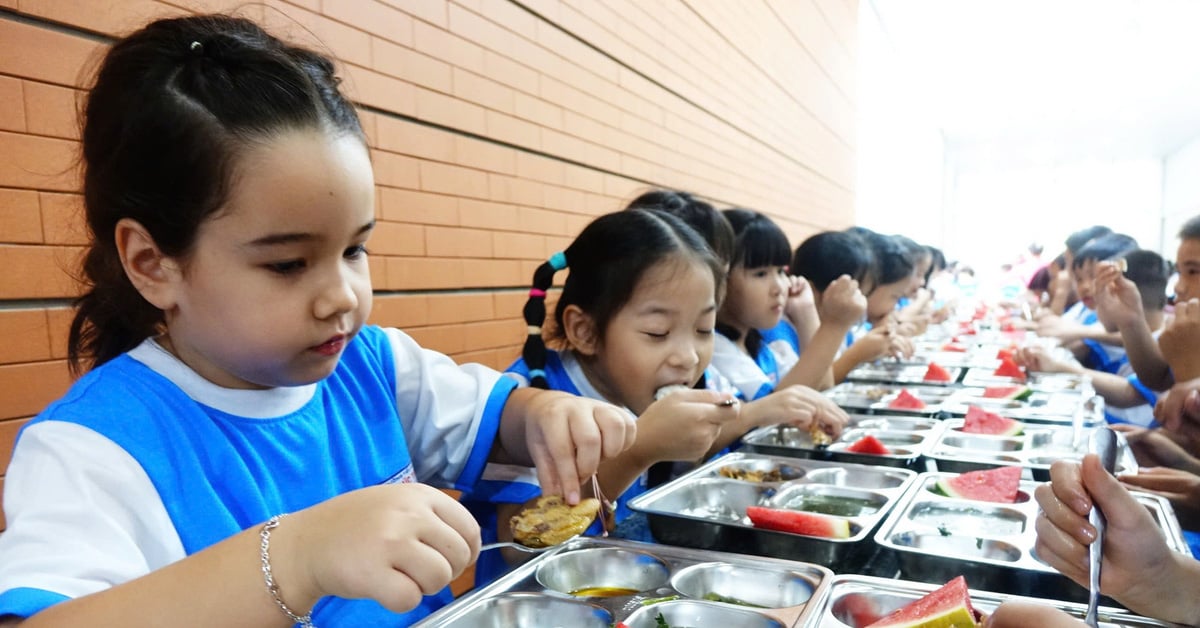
230, 378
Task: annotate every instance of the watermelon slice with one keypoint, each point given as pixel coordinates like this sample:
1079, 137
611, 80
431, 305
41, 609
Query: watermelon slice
936, 373
954, 347
993, 485
797, 522
1006, 353
947, 607
1016, 392
1009, 368
980, 421
906, 401
869, 445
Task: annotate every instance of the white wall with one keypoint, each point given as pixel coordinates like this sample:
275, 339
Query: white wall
1181, 192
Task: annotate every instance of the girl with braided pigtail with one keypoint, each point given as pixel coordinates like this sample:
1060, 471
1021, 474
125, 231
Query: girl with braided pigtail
633, 326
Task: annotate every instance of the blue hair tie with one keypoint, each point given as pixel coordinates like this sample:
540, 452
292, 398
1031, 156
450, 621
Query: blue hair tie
535, 373
558, 261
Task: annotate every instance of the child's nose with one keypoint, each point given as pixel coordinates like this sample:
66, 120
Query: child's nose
337, 296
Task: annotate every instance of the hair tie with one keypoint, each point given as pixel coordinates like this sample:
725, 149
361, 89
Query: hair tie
197, 48
558, 261
533, 330
534, 292
536, 373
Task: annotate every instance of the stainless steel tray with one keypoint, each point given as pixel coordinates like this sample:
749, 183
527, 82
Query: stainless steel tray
856, 601
1035, 449
899, 373
874, 398
704, 509
909, 438
539, 593
1057, 408
937, 538
1041, 382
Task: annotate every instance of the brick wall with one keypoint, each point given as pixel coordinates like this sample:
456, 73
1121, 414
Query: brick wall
498, 128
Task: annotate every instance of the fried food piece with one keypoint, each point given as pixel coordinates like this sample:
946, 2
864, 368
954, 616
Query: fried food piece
819, 436
751, 475
550, 521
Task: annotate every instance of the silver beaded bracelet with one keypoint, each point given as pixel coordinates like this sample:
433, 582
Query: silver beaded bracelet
264, 536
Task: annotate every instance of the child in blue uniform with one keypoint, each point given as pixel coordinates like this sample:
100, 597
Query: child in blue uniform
232, 378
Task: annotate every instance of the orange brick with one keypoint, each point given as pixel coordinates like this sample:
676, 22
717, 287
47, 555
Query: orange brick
8, 439
395, 238
12, 104
442, 338
62, 218
541, 221
460, 308
3, 519
420, 207
401, 311
448, 179
497, 359
43, 54
513, 190
448, 47
456, 242
378, 270
305, 26
37, 272
410, 65
450, 111
20, 219
492, 273
492, 334
374, 17
30, 387
486, 214
395, 170
379, 90
512, 130
483, 91
58, 322
432, 11
484, 155
421, 273
517, 76
38, 162
416, 139
105, 17
51, 110
519, 245
536, 110
582, 178
311, 5
510, 302
368, 120
23, 336
539, 168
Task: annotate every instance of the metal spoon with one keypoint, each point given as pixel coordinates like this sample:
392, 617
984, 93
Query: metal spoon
524, 548
1103, 443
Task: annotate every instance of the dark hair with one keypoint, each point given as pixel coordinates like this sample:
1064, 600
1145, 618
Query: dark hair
830, 254
607, 260
1077, 240
937, 261
892, 261
757, 242
1103, 248
1190, 230
1149, 272
172, 106
699, 215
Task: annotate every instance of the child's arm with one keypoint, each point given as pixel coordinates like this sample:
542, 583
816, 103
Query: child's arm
795, 405
801, 311
874, 345
1119, 301
842, 306
1180, 341
1116, 390
565, 436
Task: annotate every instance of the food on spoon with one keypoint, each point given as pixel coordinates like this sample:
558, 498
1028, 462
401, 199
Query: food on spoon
820, 438
992, 485
751, 475
980, 421
946, 607
869, 445
906, 401
668, 389
550, 520
797, 522
935, 373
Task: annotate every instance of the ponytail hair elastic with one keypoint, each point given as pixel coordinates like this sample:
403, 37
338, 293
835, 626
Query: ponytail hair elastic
558, 261
534, 313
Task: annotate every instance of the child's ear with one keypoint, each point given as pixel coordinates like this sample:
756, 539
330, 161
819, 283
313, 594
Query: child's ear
152, 273
580, 329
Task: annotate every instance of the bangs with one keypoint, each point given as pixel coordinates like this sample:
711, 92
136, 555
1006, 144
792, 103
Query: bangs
762, 243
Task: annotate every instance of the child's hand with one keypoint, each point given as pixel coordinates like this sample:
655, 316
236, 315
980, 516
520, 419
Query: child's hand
1117, 298
1035, 358
843, 304
1180, 341
1178, 409
567, 437
1180, 487
1157, 448
1024, 614
392, 543
900, 346
802, 406
683, 425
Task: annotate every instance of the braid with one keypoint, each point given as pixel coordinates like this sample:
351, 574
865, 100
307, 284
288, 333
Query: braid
534, 351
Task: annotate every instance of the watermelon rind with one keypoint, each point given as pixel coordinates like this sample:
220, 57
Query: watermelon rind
1022, 394
945, 607
797, 522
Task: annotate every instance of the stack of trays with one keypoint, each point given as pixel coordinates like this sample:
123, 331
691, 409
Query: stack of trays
594, 583
899, 373
908, 438
857, 601
705, 508
876, 398
937, 538
1035, 449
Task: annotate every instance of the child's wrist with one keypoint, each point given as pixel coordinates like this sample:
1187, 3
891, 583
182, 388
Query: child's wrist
282, 568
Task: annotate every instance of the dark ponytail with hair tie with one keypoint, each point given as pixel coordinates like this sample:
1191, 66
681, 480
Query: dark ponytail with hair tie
534, 351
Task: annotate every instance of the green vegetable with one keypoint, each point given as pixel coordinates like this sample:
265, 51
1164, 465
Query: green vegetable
661, 621
978, 543
655, 600
717, 597
943, 530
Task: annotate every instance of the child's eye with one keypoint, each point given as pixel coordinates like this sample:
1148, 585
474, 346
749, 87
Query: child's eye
704, 332
355, 252
655, 335
285, 268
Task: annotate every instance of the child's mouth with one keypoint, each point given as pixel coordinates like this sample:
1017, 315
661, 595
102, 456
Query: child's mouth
331, 346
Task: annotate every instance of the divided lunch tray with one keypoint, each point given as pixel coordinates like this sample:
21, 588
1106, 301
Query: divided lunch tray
857, 601
873, 398
908, 438
900, 373
681, 584
937, 538
1057, 408
1035, 449
708, 510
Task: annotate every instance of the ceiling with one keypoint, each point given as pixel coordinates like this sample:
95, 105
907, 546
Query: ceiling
1051, 80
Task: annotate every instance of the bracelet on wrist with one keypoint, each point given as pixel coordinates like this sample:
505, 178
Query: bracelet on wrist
264, 536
